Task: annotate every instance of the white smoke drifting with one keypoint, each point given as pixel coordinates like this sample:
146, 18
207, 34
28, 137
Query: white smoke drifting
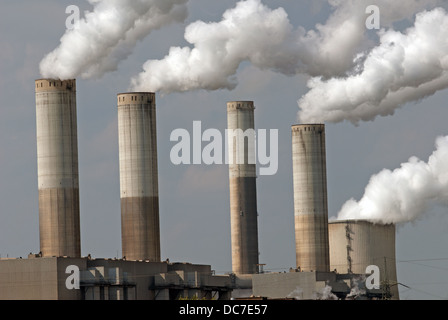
404, 67
358, 288
325, 294
404, 194
265, 37
108, 35
252, 32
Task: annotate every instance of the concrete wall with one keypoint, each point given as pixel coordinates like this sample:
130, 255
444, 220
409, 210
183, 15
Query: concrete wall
188, 267
44, 278
356, 244
310, 197
57, 160
243, 191
37, 279
180, 284
140, 273
294, 285
139, 176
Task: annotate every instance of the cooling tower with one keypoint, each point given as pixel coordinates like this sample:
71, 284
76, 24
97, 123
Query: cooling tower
138, 176
57, 160
356, 244
243, 192
310, 197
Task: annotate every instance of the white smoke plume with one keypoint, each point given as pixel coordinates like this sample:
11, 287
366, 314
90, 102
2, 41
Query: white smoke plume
357, 289
404, 194
253, 32
404, 67
325, 294
107, 35
249, 32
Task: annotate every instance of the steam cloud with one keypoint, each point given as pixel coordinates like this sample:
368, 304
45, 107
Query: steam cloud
404, 194
404, 67
251, 32
265, 37
108, 35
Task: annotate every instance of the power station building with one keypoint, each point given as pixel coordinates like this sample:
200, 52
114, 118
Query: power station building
331, 257
358, 244
54, 278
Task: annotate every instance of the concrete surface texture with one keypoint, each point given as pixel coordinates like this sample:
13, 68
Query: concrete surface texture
139, 176
46, 278
357, 244
243, 191
310, 197
57, 159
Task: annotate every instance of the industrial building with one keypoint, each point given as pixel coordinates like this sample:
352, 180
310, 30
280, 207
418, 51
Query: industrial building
354, 245
331, 257
357, 244
44, 278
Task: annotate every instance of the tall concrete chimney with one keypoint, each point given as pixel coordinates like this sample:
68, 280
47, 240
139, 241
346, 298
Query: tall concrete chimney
310, 197
139, 176
57, 161
243, 192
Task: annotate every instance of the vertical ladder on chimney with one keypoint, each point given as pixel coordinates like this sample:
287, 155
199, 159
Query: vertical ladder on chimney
349, 247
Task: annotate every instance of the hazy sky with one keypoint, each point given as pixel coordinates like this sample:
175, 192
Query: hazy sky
194, 200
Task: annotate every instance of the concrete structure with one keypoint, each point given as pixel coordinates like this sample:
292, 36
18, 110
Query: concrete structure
312, 285
57, 160
310, 197
295, 285
241, 285
139, 176
243, 192
41, 278
37, 278
184, 280
356, 244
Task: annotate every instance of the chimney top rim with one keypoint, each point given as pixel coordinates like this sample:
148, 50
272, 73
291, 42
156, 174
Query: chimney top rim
54, 79
130, 93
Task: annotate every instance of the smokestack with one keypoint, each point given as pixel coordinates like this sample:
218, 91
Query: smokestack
57, 160
139, 176
310, 197
243, 193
